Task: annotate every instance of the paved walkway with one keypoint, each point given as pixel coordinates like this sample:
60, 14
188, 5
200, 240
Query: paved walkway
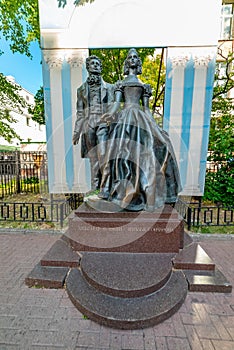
36, 319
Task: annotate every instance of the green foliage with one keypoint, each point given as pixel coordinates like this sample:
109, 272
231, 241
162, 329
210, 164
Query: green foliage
113, 61
31, 180
224, 82
152, 75
219, 185
38, 111
63, 3
10, 101
19, 24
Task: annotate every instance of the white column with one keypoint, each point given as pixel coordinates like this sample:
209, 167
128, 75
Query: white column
76, 59
177, 99
54, 59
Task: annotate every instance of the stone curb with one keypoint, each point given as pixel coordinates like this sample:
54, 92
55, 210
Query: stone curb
5, 231
196, 236
214, 236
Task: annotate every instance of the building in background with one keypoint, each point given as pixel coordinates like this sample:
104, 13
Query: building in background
30, 132
226, 40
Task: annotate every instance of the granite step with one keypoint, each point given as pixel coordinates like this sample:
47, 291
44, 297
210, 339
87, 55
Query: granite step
126, 313
47, 277
61, 254
126, 275
193, 257
207, 281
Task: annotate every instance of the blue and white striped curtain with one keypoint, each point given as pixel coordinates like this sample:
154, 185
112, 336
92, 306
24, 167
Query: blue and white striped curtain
63, 73
188, 99
187, 108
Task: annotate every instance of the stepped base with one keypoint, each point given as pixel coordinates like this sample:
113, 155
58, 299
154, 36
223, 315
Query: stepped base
126, 275
127, 313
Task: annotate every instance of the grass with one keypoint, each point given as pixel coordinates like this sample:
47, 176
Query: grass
25, 184
213, 229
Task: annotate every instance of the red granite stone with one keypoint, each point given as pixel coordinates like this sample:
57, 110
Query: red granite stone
193, 257
60, 254
161, 231
47, 277
207, 281
126, 274
127, 313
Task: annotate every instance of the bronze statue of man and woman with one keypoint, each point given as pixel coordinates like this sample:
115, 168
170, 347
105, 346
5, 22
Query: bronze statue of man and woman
133, 164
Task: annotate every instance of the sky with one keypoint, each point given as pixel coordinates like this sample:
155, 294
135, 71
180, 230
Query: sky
27, 72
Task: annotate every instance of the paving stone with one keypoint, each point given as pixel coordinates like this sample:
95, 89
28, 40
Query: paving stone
177, 343
133, 342
222, 345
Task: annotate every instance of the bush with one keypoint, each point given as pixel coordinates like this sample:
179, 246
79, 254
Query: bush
31, 180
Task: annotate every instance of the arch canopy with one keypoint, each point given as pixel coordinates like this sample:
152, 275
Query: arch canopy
134, 23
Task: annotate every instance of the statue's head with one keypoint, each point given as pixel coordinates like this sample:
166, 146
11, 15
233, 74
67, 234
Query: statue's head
94, 64
132, 53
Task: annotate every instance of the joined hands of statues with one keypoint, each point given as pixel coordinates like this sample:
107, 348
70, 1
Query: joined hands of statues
108, 118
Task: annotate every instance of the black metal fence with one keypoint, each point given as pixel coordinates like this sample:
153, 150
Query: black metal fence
27, 172
23, 172
53, 211
198, 215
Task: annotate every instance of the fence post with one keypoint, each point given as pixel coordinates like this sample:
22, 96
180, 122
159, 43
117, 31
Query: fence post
189, 218
61, 215
18, 172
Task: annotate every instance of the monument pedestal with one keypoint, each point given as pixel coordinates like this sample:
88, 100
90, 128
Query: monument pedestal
127, 269
138, 232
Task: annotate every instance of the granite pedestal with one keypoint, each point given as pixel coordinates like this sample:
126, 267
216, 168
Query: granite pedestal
125, 269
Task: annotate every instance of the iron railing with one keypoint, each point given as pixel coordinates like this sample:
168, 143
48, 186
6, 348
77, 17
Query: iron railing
55, 210
198, 215
23, 172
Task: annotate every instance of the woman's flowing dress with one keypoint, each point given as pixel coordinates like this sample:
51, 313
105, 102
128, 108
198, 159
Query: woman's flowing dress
140, 171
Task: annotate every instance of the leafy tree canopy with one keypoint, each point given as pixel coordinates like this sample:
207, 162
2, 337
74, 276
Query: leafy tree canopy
10, 101
113, 61
38, 111
63, 3
153, 72
19, 24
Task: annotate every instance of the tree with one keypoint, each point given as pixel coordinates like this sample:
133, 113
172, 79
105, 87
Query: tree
19, 24
153, 71
38, 111
219, 185
113, 60
63, 3
10, 101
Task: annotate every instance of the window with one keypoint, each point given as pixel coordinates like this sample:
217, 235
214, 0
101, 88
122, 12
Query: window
226, 31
